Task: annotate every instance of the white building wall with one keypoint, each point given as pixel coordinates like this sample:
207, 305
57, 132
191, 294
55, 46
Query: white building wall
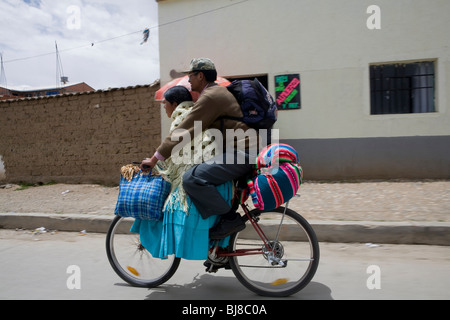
329, 44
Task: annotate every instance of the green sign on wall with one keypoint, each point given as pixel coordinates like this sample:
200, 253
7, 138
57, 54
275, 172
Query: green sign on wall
287, 91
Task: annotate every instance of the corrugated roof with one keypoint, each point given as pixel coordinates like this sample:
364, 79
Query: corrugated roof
155, 83
40, 88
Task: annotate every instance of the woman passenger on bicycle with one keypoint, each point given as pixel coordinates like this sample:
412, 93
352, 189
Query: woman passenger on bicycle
182, 231
215, 109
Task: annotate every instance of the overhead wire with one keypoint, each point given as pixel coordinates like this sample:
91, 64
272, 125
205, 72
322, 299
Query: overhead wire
91, 44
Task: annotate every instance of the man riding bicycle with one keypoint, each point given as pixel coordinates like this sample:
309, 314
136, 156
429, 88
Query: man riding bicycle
212, 108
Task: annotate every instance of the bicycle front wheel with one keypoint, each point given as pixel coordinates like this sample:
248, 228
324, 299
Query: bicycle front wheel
284, 262
131, 261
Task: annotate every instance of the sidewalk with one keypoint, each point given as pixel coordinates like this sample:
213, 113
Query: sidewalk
366, 212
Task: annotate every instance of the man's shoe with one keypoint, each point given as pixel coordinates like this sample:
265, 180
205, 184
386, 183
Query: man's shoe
213, 267
226, 227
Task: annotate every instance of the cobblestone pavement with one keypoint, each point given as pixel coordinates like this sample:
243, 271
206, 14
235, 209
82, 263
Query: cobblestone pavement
375, 201
359, 201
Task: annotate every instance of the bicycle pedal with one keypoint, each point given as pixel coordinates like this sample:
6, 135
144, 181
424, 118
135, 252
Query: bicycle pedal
214, 267
211, 269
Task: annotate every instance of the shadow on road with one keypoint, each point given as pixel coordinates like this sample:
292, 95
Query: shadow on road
212, 287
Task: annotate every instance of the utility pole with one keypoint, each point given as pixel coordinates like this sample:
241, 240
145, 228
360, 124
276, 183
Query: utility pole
3, 82
60, 78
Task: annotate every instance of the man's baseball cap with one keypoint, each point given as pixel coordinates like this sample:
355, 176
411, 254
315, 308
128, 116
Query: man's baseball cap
200, 64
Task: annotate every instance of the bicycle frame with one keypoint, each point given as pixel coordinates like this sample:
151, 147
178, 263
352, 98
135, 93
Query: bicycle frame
259, 231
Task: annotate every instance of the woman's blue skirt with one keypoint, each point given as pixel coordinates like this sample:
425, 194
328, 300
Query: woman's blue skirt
184, 235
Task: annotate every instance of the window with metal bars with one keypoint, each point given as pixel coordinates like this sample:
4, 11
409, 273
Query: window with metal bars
402, 88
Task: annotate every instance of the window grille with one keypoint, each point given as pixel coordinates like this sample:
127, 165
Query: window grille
402, 88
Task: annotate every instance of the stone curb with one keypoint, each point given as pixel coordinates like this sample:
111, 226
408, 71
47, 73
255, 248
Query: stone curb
424, 233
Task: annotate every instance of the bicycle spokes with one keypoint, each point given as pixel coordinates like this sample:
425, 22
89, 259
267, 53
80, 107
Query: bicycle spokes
277, 254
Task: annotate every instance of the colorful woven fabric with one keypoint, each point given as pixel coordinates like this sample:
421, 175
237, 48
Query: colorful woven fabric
278, 178
143, 197
276, 153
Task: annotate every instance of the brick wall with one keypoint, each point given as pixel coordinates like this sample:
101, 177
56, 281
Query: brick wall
78, 138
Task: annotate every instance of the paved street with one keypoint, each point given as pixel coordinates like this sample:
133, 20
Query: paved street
40, 266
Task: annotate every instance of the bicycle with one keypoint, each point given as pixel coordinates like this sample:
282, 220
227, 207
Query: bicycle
276, 255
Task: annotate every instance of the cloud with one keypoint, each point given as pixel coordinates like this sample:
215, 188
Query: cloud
98, 41
33, 3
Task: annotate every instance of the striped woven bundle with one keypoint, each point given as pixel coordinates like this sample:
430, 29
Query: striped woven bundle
279, 177
275, 154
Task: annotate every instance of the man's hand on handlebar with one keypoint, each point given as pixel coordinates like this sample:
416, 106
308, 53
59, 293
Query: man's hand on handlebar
148, 163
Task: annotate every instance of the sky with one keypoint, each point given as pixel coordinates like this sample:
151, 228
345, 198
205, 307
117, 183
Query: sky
99, 42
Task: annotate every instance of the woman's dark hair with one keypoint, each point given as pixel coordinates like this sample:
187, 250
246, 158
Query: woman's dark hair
177, 94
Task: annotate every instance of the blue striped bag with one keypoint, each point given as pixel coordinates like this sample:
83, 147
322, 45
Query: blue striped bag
143, 197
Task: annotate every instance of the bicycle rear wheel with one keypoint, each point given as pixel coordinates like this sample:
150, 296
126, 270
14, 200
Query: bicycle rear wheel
287, 260
131, 261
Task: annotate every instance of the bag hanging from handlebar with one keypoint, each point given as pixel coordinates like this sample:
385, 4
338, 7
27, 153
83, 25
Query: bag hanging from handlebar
142, 197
